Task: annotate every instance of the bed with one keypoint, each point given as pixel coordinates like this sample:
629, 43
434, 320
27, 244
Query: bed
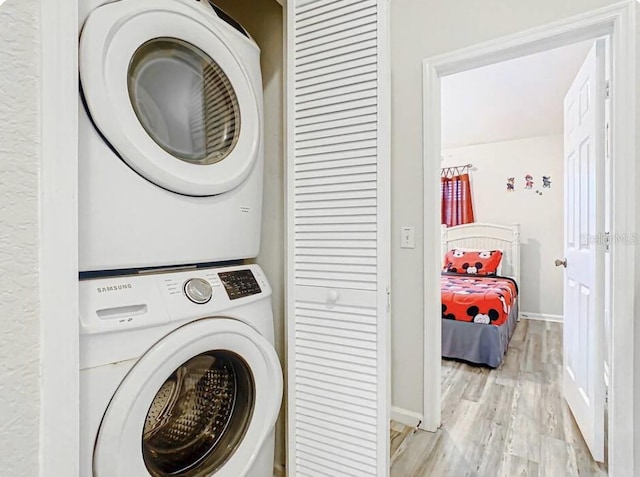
484, 338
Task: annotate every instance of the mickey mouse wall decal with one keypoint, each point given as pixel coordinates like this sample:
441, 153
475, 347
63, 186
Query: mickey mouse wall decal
528, 179
511, 184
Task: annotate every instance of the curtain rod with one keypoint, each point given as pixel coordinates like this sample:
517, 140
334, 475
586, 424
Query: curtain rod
465, 166
455, 169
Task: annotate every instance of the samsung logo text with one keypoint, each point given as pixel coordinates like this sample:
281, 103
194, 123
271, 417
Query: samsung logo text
124, 286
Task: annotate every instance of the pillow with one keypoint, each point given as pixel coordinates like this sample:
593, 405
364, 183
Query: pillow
499, 270
476, 262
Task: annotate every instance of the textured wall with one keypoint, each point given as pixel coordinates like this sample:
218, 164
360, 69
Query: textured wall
540, 216
19, 238
263, 20
421, 29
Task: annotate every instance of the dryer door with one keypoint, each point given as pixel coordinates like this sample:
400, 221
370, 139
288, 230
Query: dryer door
201, 401
166, 88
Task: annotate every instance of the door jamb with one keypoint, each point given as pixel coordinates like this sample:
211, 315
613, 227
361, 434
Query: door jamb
617, 21
58, 277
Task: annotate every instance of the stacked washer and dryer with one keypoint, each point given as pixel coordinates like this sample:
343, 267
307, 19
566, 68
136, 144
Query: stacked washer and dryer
178, 372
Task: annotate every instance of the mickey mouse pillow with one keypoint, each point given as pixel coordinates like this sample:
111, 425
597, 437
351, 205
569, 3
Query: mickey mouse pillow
476, 262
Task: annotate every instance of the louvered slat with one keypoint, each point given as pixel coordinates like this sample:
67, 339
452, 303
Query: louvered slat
337, 389
335, 212
315, 133
337, 422
350, 220
330, 127
341, 48
355, 157
335, 25
329, 14
335, 79
354, 345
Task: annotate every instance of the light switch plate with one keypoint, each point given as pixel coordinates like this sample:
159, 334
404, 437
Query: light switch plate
408, 237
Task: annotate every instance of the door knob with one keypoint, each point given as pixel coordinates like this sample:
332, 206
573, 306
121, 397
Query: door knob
332, 296
559, 262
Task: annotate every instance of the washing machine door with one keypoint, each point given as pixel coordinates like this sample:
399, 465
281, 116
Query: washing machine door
201, 402
166, 88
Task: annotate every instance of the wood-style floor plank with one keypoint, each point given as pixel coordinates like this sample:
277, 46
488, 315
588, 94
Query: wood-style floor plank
399, 434
505, 422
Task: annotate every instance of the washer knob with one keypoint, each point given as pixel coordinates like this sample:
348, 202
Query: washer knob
198, 290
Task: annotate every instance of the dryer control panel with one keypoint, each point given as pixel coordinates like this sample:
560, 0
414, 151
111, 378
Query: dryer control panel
239, 283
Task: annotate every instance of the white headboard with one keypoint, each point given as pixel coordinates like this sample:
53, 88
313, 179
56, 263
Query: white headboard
484, 236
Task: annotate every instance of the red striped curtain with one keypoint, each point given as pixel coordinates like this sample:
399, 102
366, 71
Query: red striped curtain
457, 208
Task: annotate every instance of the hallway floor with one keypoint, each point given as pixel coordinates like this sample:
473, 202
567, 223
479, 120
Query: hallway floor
512, 421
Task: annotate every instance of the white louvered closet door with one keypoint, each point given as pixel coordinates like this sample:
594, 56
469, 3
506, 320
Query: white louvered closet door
338, 238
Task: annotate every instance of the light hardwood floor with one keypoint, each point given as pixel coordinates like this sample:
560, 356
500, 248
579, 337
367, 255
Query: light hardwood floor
511, 421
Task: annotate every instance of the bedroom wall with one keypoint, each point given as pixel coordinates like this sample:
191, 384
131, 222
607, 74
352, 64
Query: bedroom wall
421, 29
263, 20
20, 385
540, 216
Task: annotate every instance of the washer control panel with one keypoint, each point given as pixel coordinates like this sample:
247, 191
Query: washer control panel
239, 283
157, 299
198, 290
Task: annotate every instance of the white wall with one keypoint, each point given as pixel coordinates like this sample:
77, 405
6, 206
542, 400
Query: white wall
19, 237
421, 29
264, 21
540, 216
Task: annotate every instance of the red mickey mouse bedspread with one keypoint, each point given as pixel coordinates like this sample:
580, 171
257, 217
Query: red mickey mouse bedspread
480, 299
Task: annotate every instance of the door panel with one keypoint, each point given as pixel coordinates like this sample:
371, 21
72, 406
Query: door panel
584, 251
338, 239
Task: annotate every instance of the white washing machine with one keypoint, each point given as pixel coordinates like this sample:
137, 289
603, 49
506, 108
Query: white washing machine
171, 135
179, 376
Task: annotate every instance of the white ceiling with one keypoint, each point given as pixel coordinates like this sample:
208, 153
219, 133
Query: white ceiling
511, 100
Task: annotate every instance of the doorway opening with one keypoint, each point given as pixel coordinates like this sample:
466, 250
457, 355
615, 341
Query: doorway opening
503, 131
614, 23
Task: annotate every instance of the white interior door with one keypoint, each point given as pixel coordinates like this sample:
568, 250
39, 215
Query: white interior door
583, 372
338, 238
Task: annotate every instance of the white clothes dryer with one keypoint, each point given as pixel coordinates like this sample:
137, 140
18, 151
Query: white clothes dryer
171, 135
179, 376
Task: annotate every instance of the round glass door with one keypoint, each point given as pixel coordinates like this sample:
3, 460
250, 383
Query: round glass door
199, 416
173, 96
184, 101
199, 402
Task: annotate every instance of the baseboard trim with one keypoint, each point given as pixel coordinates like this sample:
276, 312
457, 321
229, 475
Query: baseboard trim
408, 418
541, 317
